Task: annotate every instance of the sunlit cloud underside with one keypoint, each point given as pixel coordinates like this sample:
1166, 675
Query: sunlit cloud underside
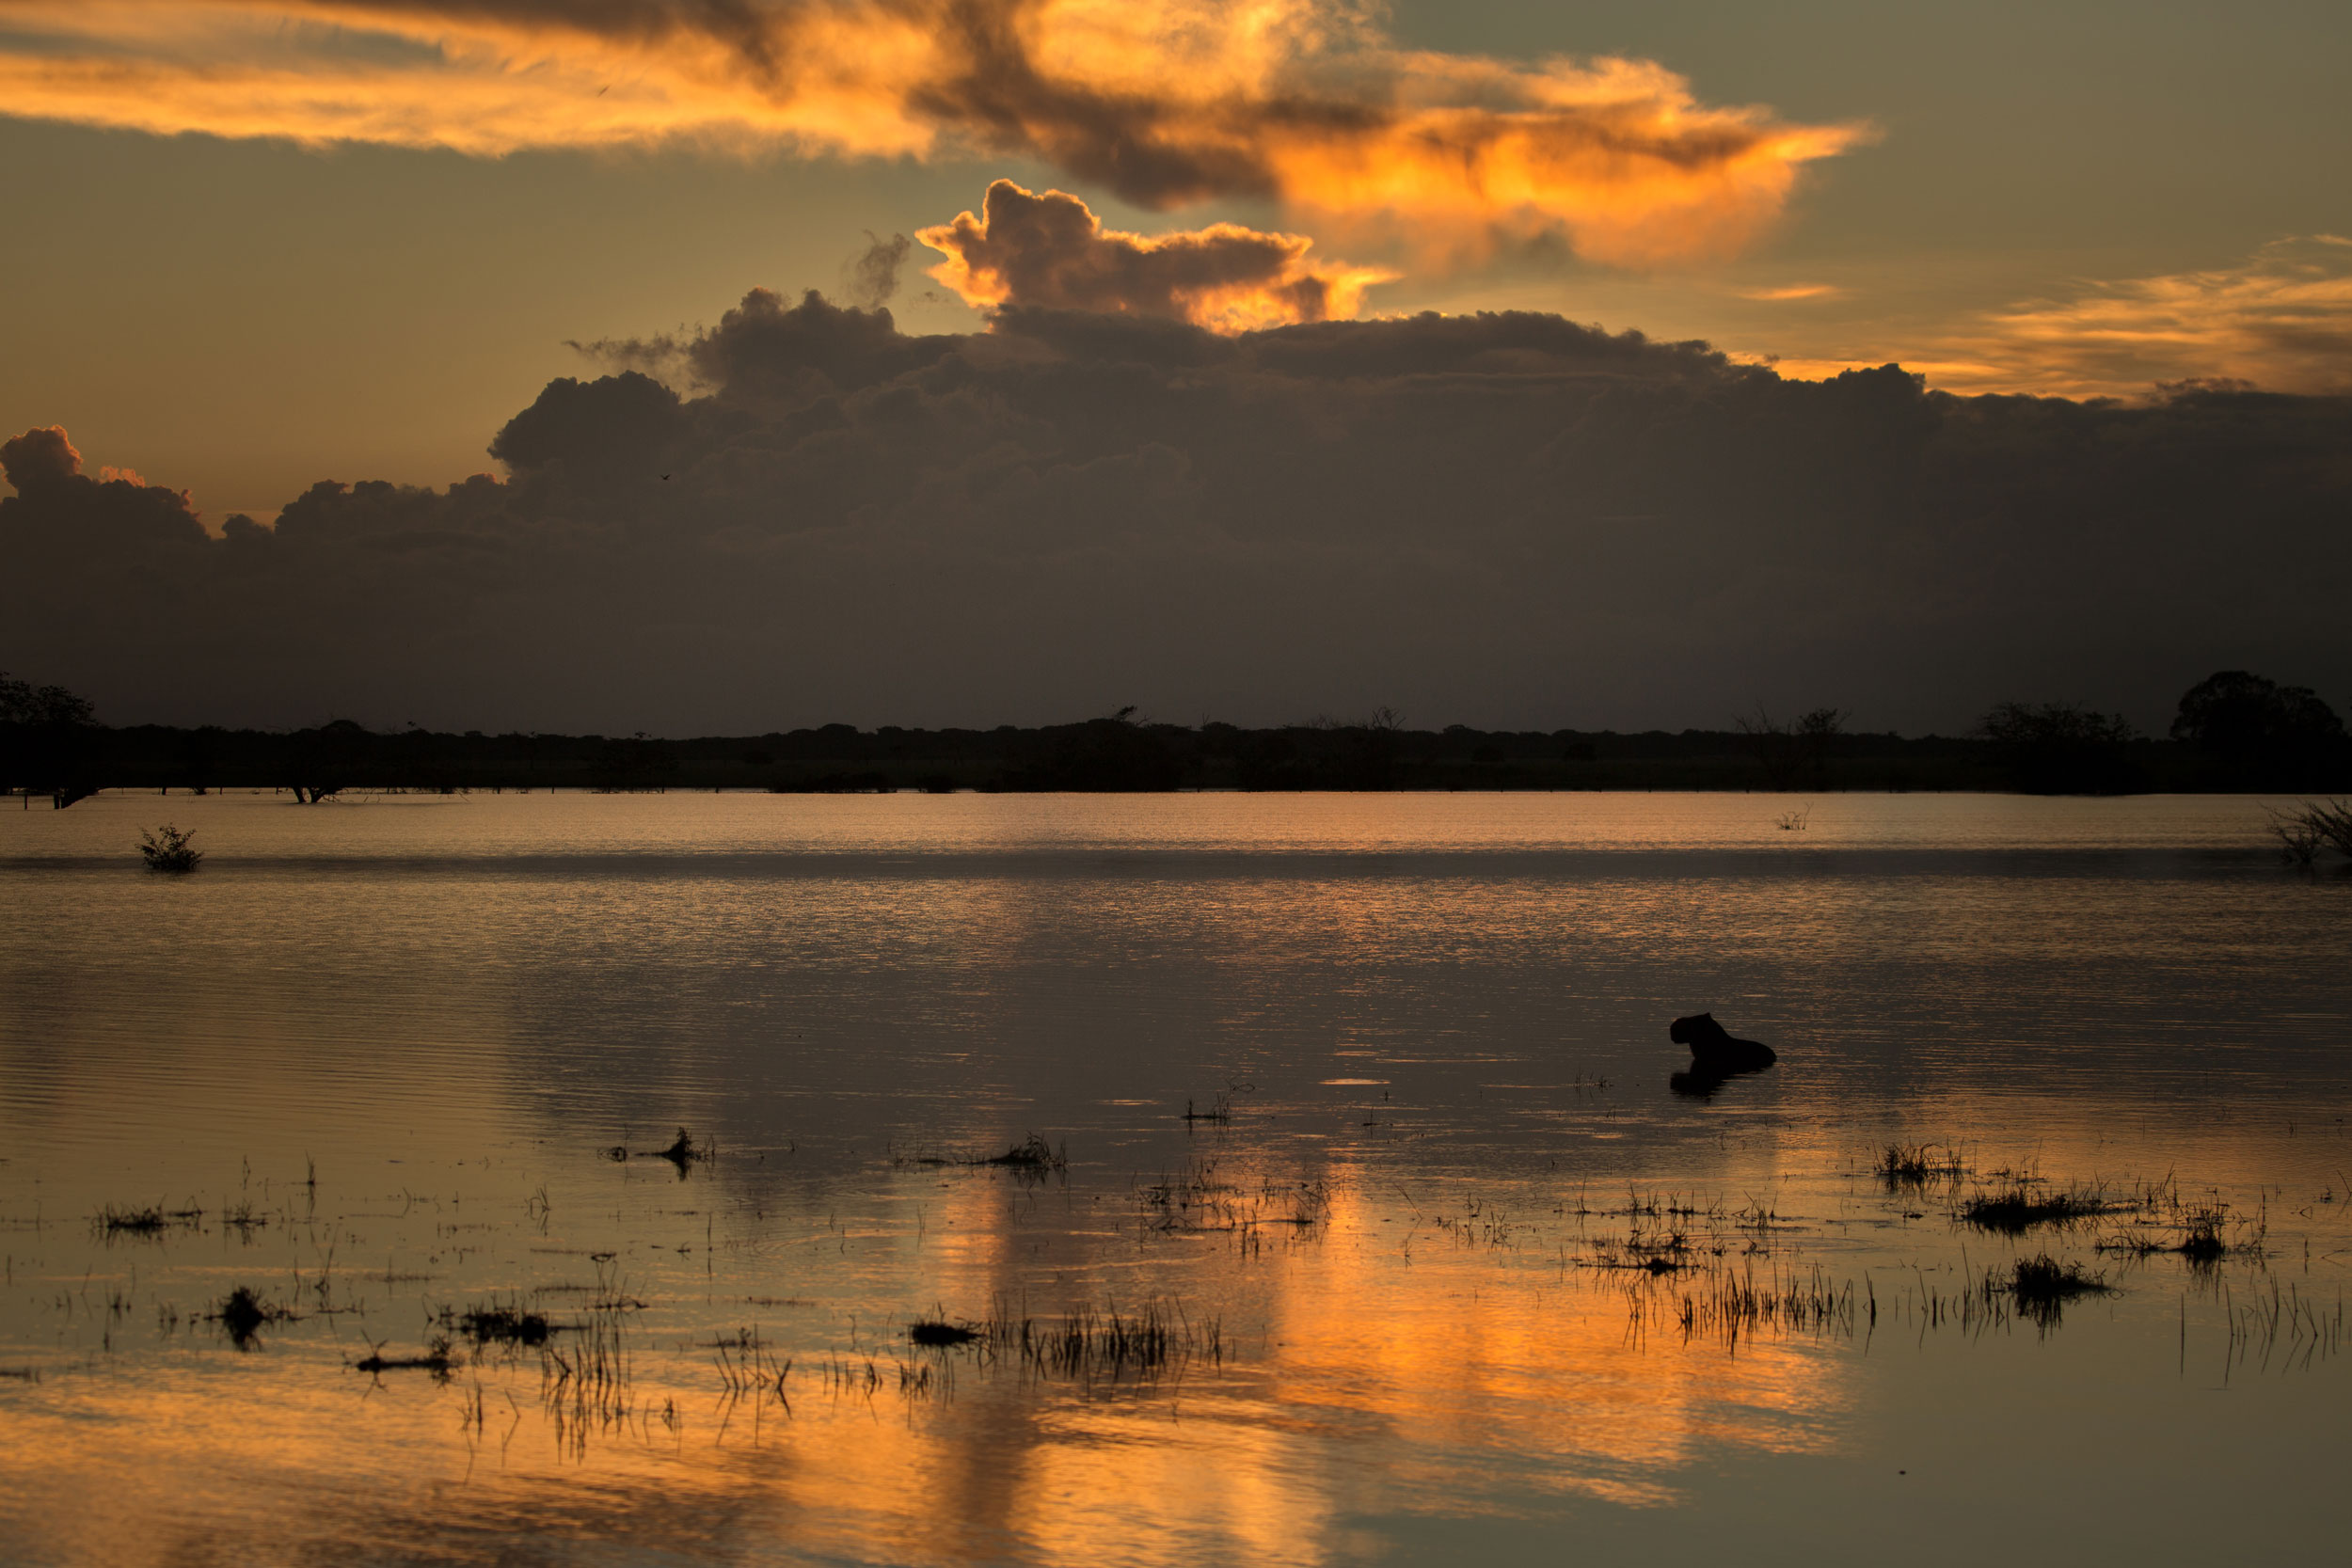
1163, 103
2282, 321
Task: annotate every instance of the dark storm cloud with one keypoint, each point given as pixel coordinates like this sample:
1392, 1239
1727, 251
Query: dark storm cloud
1498, 519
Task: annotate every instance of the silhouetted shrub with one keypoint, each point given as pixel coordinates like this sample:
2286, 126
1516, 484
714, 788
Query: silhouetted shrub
166, 850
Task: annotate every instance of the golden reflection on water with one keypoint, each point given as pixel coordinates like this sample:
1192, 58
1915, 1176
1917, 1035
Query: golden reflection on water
1372, 1379
1442, 1016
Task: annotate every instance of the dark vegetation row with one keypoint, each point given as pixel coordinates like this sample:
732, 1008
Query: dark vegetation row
2235, 730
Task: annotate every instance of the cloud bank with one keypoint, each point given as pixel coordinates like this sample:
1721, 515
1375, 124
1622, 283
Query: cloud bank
1165, 103
1500, 519
1051, 251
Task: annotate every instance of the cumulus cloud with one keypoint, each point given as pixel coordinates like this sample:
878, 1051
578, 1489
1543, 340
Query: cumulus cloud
1052, 250
45, 467
1501, 519
1163, 101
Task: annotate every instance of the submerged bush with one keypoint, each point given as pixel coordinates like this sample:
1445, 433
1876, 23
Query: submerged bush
2308, 829
166, 850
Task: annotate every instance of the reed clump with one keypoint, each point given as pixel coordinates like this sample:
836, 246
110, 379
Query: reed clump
149, 1220
510, 1323
437, 1358
586, 1381
1089, 1344
937, 1333
1900, 1165
2018, 1207
1201, 1200
2041, 1287
2203, 1234
243, 1314
1032, 1154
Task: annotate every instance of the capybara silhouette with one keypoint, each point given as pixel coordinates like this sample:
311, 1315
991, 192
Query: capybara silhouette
1714, 1050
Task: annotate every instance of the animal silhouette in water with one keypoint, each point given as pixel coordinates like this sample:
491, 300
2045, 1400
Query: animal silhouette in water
1715, 1055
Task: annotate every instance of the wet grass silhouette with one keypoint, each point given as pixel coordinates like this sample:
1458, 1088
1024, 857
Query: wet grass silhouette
1089, 1344
2041, 1287
437, 1358
243, 1314
1918, 1165
509, 1324
150, 1220
1031, 1153
2015, 1210
935, 1333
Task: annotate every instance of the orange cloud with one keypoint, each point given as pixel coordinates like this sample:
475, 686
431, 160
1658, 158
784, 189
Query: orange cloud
1164, 102
2282, 321
1792, 292
1052, 250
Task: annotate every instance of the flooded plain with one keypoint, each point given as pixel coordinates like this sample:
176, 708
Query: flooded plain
1301, 1180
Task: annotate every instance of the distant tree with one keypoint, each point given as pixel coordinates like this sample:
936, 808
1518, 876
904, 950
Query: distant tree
2062, 748
325, 761
1115, 755
1792, 754
46, 742
638, 763
2262, 733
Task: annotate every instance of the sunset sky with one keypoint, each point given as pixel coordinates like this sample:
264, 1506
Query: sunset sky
259, 241
256, 244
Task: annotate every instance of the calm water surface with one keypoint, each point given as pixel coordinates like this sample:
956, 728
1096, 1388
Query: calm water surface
1459, 1274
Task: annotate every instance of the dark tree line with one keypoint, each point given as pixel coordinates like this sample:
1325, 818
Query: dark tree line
2239, 731
2235, 730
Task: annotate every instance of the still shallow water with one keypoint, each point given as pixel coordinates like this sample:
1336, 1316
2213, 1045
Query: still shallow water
1459, 1277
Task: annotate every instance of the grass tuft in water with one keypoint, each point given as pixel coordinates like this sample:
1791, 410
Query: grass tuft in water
2041, 1287
508, 1324
1032, 1154
150, 1220
437, 1358
2017, 1208
1901, 1165
936, 1333
243, 1315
